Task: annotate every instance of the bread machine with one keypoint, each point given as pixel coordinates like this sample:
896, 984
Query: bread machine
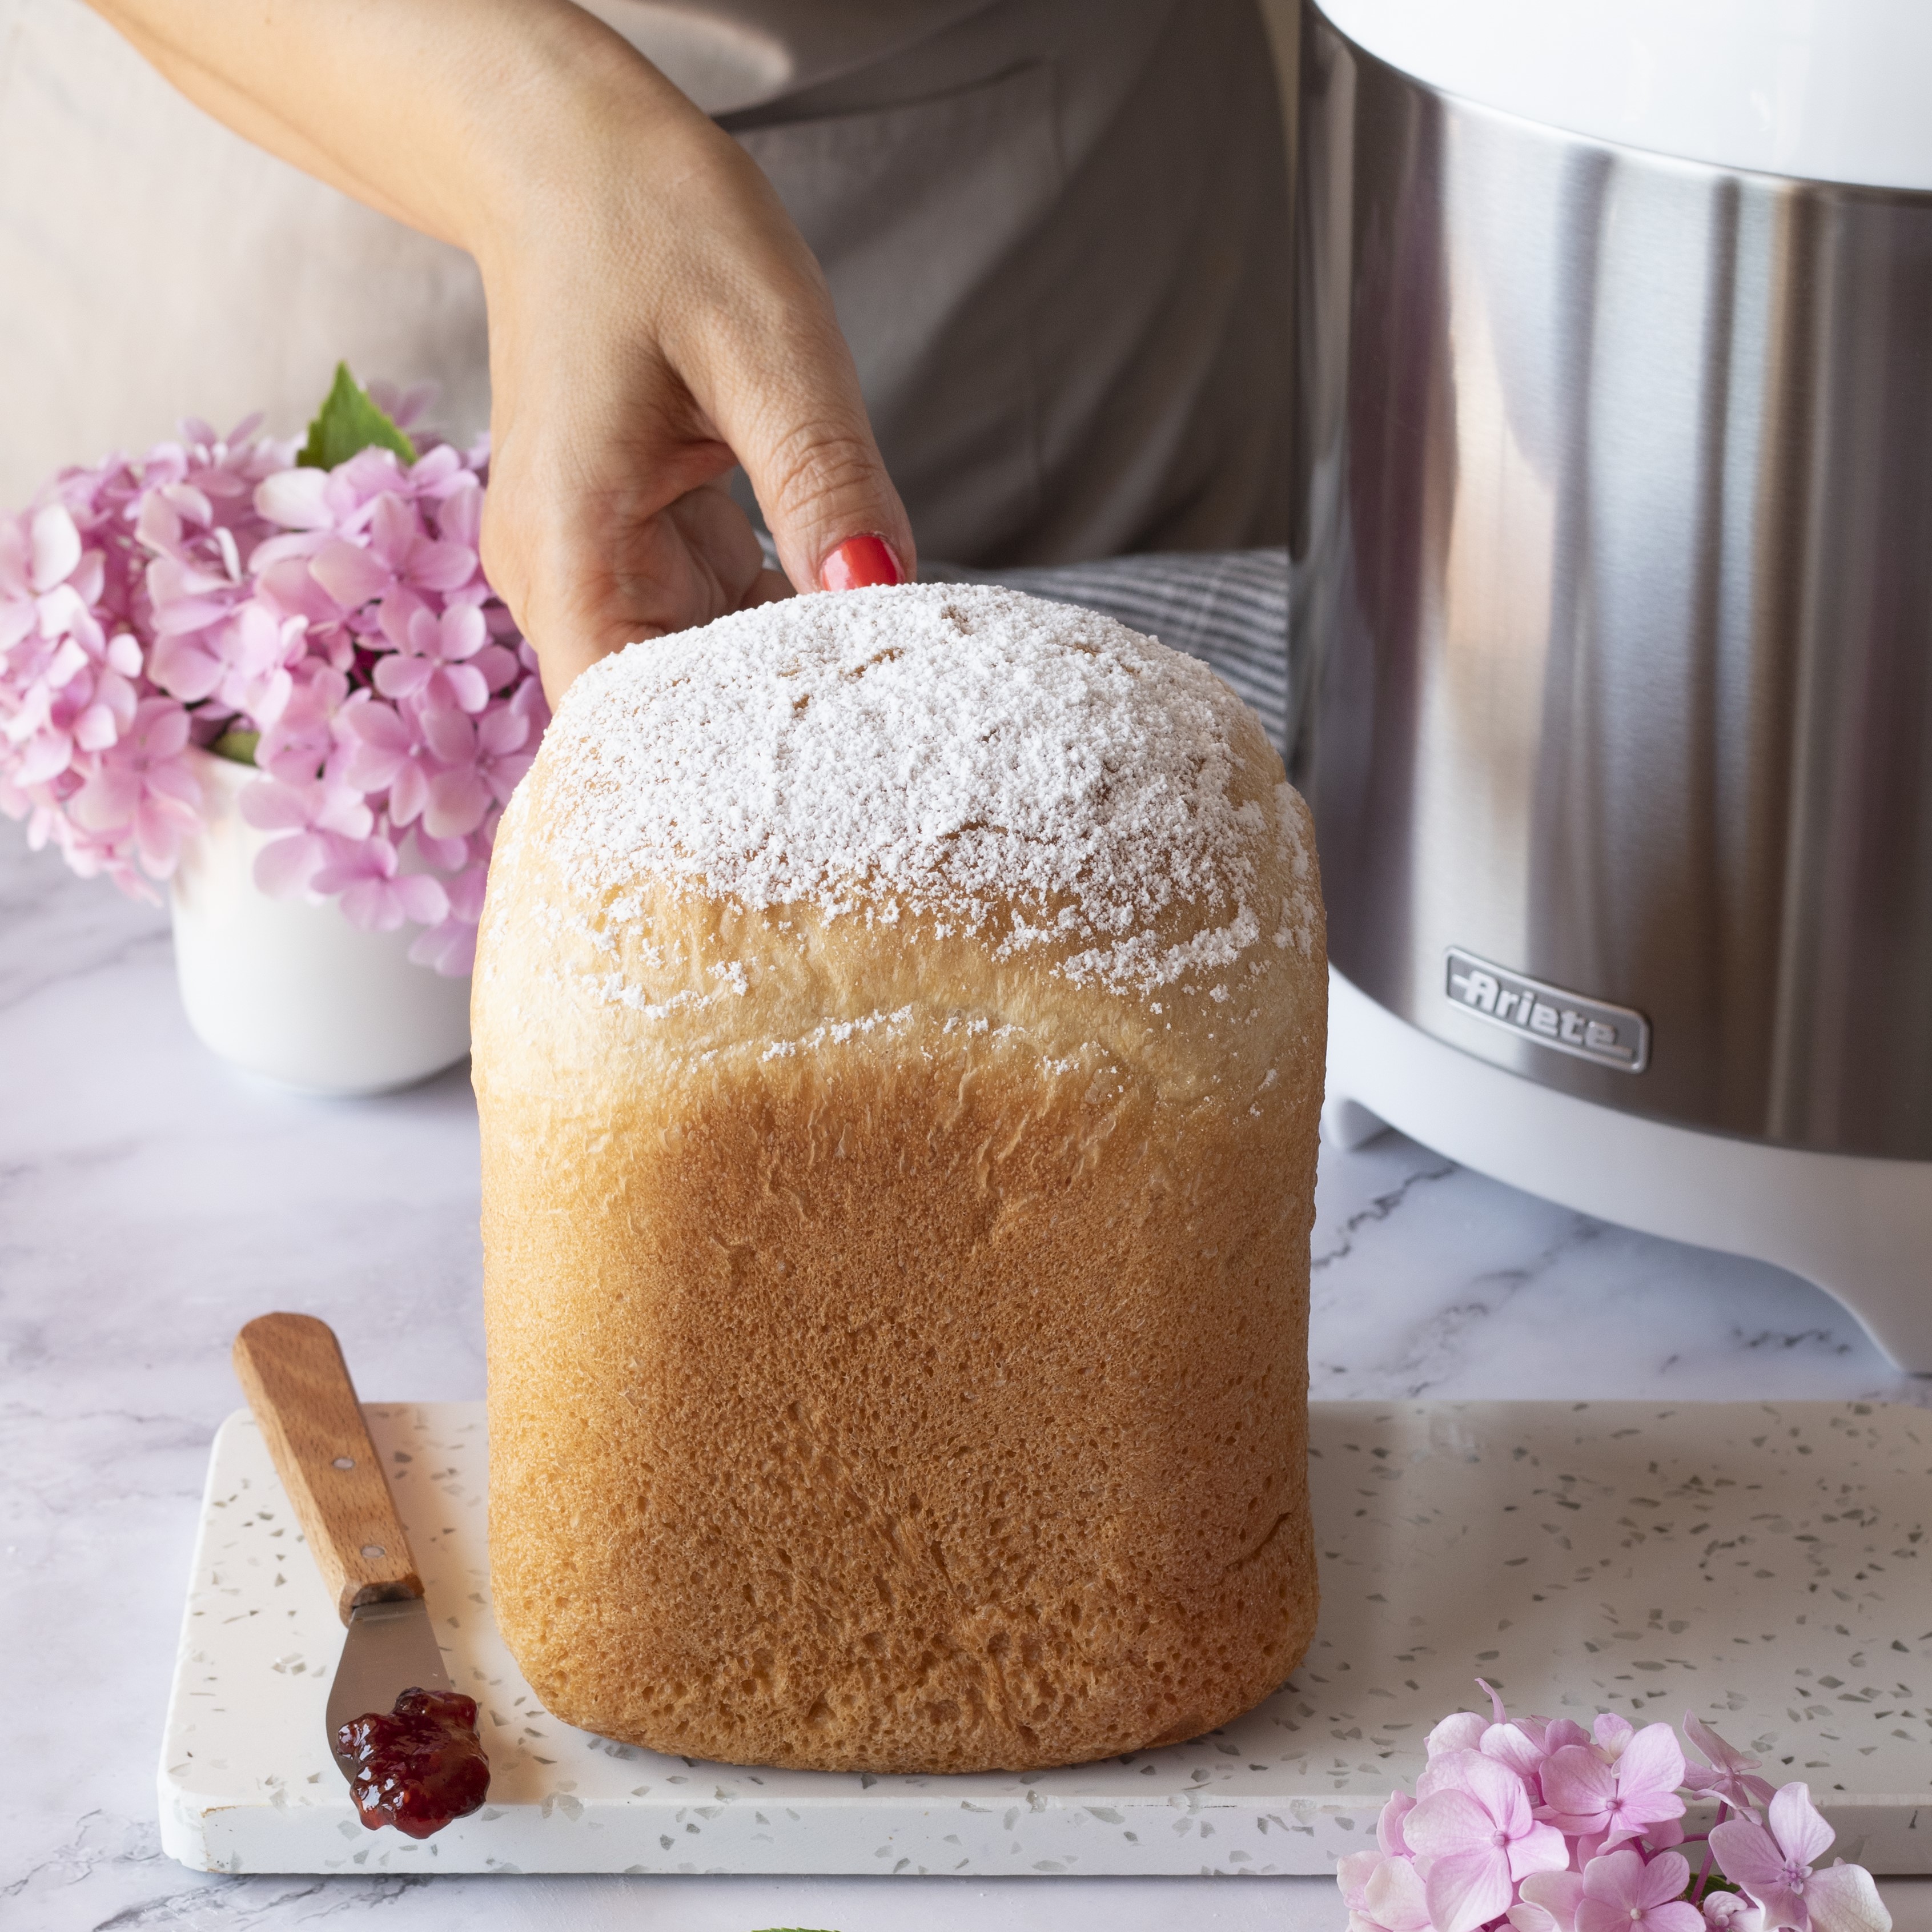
1611, 643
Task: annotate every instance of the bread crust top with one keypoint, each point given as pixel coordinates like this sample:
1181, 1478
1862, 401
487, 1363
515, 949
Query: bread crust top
952, 804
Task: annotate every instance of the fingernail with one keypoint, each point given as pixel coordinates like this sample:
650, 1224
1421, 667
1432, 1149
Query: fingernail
858, 563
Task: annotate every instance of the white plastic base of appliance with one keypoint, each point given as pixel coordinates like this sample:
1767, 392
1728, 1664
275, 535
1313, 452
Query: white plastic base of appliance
1763, 1564
1861, 1229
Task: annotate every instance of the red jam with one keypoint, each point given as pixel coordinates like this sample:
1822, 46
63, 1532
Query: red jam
418, 1768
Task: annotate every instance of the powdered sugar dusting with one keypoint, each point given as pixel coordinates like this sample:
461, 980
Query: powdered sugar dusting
989, 761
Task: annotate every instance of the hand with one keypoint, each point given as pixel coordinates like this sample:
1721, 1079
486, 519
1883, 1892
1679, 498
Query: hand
656, 319
654, 315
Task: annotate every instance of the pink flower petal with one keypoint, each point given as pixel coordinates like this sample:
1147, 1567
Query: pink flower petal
497, 666
296, 499
56, 546
1843, 1898
1795, 1824
395, 532
451, 736
284, 866
372, 905
1395, 1894
1527, 1918
182, 667
289, 590
1447, 1821
1467, 1889
1612, 1732
1540, 1849
1746, 1854
1558, 1893
349, 574
160, 830
344, 811
1508, 1745
1662, 1879
107, 800
1652, 1761
402, 677
1352, 1872
408, 793
466, 892
466, 685
271, 804
502, 730
457, 800
421, 898
459, 516
451, 949
442, 566
96, 728
1577, 1788
1388, 1825
448, 855
461, 632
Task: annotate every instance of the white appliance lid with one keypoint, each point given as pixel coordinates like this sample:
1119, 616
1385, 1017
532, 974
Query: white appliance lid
1835, 90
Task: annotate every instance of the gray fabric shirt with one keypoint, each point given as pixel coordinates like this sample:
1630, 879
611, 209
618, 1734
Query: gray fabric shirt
1055, 231
1057, 234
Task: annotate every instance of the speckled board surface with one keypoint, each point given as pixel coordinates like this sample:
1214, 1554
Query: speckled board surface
1769, 1566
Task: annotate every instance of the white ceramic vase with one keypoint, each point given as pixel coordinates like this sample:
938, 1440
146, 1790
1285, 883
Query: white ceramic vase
288, 989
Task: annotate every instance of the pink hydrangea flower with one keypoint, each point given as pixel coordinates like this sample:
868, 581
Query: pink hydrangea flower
482, 760
377, 894
1475, 1828
1383, 1894
1547, 1902
1729, 1776
314, 815
1731, 1911
428, 665
1525, 1744
149, 606
1472, 1852
1460, 1731
389, 752
1622, 1892
147, 792
1776, 1863
1618, 1788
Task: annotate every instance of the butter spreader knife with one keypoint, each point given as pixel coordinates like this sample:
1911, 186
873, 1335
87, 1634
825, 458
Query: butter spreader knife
291, 1368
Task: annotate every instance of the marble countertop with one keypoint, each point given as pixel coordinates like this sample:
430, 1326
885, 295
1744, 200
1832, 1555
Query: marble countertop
151, 1201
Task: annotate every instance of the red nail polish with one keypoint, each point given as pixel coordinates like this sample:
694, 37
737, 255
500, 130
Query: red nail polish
857, 564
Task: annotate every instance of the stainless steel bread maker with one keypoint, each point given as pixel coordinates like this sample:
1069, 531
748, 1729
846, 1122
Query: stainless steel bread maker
1611, 633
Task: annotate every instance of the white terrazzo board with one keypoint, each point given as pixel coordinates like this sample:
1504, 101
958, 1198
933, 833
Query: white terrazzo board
1767, 1565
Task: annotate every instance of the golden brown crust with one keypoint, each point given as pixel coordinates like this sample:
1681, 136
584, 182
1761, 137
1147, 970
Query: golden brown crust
897, 1351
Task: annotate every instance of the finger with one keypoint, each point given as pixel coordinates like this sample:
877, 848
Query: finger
771, 371
770, 586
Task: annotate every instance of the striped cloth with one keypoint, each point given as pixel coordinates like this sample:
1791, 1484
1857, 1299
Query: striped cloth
1228, 607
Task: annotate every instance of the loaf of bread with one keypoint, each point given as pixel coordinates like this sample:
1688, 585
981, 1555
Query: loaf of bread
898, 1033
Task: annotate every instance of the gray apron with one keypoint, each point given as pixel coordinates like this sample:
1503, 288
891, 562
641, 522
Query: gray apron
1055, 231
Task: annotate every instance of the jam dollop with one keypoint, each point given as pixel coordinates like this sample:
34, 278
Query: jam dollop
419, 1766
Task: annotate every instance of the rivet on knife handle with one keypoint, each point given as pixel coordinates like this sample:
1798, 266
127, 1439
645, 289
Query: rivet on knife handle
292, 1370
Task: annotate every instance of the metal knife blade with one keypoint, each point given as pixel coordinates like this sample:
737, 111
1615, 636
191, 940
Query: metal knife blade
389, 1648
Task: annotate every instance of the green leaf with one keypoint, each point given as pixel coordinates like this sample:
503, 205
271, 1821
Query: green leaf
347, 421
239, 745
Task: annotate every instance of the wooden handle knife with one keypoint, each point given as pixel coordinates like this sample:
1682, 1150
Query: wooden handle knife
292, 1369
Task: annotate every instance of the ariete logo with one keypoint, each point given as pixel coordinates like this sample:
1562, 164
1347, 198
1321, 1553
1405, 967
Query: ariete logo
1549, 1015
